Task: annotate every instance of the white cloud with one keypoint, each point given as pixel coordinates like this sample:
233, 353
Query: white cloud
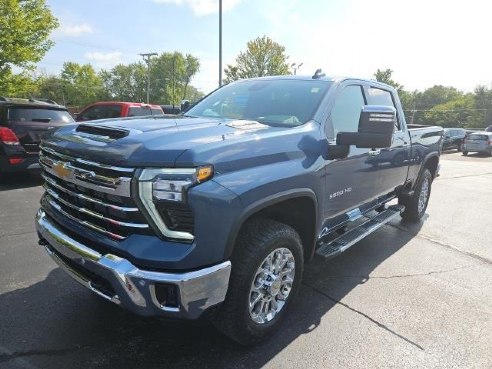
75, 30
203, 7
104, 60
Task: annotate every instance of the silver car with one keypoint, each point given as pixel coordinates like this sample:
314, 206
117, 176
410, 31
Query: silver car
478, 142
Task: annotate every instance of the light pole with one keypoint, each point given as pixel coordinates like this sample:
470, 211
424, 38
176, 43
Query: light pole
295, 68
220, 43
146, 57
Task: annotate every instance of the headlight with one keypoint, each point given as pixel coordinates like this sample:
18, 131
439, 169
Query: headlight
160, 186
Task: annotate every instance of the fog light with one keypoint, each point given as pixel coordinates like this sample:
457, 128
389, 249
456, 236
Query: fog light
167, 295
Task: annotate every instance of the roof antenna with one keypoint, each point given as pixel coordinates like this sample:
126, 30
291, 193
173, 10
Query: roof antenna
318, 74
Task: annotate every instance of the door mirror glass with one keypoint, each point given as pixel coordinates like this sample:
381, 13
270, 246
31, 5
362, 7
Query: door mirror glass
376, 127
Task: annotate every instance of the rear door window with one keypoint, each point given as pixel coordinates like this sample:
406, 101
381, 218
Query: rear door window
101, 112
137, 111
30, 114
156, 111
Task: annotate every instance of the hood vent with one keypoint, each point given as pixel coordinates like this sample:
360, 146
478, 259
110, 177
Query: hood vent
110, 133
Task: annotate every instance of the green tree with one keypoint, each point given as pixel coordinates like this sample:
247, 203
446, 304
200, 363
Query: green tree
385, 76
483, 105
51, 87
263, 57
25, 26
81, 84
170, 77
126, 82
454, 113
437, 95
191, 67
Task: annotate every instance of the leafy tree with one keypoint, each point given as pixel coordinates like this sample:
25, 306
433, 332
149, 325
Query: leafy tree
454, 113
126, 82
25, 26
483, 104
384, 76
192, 66
437, 95
51, 87
81, 84
171, 74
263, 57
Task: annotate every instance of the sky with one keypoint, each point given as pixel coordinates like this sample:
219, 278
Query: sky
425, 42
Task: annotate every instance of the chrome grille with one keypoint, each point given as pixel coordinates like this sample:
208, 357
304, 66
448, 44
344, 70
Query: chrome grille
93, 194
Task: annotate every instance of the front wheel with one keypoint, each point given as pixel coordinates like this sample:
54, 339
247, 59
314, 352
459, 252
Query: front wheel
465, 153
416, 205
266, 273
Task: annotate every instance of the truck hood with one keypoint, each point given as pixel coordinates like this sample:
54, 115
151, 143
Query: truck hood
168, 142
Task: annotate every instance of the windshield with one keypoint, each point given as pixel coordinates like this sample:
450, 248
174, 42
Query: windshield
278, 102
21, 114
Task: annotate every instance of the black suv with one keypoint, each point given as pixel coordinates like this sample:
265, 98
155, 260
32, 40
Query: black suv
453, 138
23, 122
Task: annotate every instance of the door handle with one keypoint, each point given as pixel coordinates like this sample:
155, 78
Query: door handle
374, 152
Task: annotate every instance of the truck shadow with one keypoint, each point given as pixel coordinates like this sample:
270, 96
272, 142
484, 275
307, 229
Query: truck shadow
12, 181
67, 326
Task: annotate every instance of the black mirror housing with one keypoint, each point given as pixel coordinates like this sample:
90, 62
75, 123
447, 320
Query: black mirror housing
376, 127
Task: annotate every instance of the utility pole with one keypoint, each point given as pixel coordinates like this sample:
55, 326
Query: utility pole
146, 57
295, 68
220, 43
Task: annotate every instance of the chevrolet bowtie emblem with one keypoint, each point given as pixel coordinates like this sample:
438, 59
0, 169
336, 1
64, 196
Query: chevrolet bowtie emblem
62, 171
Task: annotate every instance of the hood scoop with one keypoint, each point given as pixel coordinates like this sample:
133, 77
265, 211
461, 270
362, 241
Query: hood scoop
101, 133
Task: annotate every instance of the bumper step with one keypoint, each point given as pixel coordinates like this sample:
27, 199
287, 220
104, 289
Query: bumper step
333, 248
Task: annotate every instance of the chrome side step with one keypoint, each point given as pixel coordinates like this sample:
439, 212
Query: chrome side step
333, 248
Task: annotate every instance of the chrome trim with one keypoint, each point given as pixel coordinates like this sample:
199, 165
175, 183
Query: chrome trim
84, 222
94, 214
122, 189
198, 290
53, 183
86, 162
145, 194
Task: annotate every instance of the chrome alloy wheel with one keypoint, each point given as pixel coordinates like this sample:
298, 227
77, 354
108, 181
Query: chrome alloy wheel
271, 285
424, 194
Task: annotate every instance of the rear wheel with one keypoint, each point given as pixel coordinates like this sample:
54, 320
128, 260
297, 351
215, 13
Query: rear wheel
416, 205
266, 274
465, 153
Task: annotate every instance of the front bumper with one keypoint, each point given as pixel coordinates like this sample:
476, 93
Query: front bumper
119, 281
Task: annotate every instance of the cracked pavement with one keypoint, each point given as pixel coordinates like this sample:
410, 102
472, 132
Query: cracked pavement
407, 296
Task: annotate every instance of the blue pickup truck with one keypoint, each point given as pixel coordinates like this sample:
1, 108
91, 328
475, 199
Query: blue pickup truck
218, 210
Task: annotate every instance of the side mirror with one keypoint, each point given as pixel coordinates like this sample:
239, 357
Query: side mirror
376, 127
185, 105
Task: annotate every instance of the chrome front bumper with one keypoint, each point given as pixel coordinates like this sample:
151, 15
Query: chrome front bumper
133, 288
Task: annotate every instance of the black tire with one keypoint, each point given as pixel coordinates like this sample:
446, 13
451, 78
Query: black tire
412, 212
459, 148
465, 153
256, 241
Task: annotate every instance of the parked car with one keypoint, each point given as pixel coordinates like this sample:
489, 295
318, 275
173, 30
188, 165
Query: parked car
488, 129
23, 122
453, 138
478, 142
219, 210
117, 109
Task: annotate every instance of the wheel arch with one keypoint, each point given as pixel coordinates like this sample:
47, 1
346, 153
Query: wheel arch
304, 219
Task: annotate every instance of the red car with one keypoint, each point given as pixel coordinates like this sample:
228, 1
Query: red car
117, 109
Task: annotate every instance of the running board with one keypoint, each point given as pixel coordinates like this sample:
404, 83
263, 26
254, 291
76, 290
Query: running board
333, 248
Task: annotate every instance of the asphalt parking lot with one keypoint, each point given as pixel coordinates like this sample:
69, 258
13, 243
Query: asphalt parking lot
408, 296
